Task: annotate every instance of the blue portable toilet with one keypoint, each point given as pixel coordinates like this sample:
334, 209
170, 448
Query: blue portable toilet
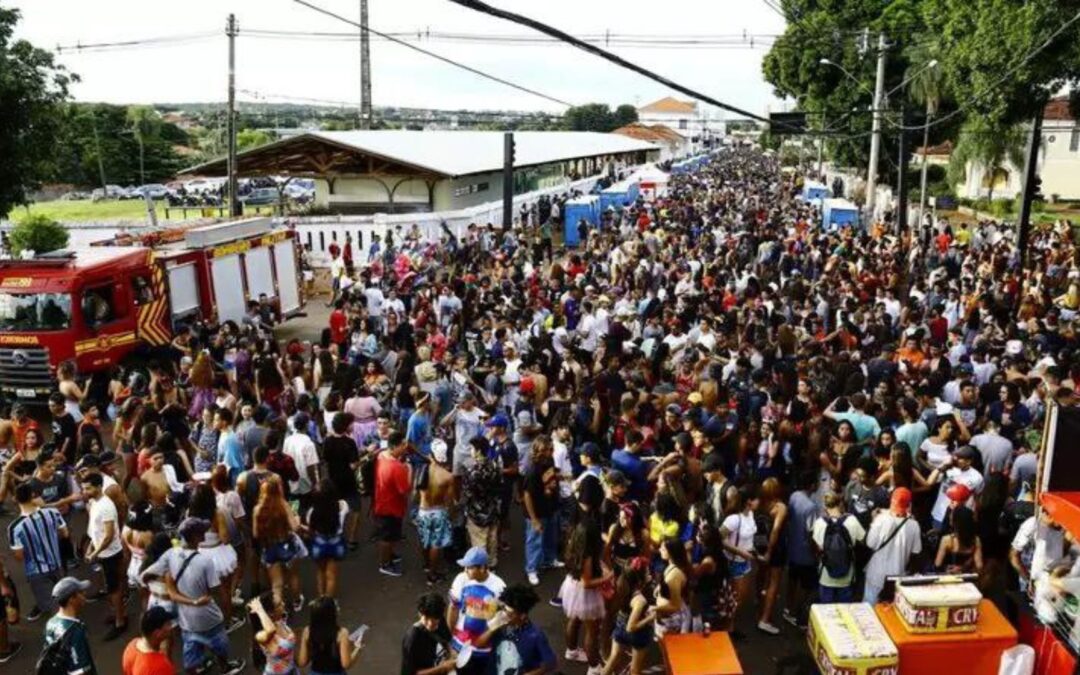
837, 213
813, 190
620, 194
587, 208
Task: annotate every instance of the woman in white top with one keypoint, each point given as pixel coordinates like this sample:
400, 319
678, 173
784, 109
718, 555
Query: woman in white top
737, 531
73, 393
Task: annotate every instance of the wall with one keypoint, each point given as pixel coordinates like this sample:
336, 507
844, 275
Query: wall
1060, 167
354, 190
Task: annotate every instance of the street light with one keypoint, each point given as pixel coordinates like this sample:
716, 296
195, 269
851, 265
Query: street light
845, 71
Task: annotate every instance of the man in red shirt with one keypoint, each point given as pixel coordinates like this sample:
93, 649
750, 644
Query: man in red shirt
144, 655
339, 326
393, 482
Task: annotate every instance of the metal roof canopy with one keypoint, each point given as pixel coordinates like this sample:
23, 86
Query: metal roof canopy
422, 154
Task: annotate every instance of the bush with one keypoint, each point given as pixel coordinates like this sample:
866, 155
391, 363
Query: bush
1002, 207
38, 233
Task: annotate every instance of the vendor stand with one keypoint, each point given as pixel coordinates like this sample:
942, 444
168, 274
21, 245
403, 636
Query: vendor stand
700, 654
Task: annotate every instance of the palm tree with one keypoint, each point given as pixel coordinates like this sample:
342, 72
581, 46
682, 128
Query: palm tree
926, 86
989, 144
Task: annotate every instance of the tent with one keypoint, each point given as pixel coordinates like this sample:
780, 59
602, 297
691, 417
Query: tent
813, 190
585, 208
652, 182
837, 213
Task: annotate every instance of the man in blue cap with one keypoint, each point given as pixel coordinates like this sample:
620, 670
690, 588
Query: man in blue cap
68, 629
474, 601
505, 454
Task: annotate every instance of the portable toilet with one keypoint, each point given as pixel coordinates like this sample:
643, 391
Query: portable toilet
813, 190
583, 208
837, 213
620, 194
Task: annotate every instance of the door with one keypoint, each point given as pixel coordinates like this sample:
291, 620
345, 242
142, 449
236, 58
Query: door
183, 290
228, 287
260, 276
288, 288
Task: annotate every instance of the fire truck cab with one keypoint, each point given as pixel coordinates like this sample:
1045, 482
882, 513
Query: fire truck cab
104, 304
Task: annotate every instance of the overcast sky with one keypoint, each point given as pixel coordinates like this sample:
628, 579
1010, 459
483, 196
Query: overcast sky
328, 69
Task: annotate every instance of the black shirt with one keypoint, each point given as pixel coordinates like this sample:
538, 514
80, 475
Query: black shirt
66, 430
422, 649
340, 453
542, 485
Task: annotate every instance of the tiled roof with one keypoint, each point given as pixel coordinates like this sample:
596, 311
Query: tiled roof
1058, 109
945, 148
654, 133
669, 105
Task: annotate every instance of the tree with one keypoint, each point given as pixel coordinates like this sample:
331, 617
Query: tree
145, 126
37, 233
925, 86
32, 88
987, 144
589, 117
625, 114
252, 138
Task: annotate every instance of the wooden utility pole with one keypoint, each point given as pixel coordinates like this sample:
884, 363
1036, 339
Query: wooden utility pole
1031, 173
231, 29
365, 68
508, 180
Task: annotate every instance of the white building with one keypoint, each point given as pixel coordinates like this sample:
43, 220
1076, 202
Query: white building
688, 118
1059, 162
672, 144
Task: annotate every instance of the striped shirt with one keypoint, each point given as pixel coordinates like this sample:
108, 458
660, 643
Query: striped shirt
38, 536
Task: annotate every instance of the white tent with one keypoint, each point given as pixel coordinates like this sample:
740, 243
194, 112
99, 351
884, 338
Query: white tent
652, 181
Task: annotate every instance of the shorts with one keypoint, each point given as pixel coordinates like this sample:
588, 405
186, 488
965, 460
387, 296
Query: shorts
433, 528
388, 528
41, 586
739, 567
323, 548
196, 645
639, 639
280, 553
111, 570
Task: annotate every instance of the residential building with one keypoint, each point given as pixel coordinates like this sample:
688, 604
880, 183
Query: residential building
691, 120
672, 144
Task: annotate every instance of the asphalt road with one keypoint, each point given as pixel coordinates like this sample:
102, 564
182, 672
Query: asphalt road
386, 604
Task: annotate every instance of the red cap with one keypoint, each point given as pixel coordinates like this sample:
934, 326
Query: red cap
901, 501
958, 493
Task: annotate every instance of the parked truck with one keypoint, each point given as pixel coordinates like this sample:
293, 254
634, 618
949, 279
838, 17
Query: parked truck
124, 298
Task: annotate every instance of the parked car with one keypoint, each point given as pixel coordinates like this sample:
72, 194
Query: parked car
109, 192
198, 185
75, 196
260, 196
155, 190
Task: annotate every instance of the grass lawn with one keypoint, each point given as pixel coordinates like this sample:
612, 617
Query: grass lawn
88, 211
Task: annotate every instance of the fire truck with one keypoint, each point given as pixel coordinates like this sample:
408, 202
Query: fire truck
122, 299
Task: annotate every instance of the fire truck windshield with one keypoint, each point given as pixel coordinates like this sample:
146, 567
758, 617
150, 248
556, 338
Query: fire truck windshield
34, 311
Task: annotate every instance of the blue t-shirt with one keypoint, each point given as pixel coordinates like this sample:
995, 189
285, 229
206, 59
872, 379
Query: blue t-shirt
635, 470
231, 451
419, 432
520, 649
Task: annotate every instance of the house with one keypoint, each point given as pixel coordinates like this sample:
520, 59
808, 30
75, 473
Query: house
1058, 166
672, 144
399, 171
688, 118
935, 155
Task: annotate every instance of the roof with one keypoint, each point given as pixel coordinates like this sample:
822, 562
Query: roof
657, 133
669, 105
1058, 109
432, 154
943, 149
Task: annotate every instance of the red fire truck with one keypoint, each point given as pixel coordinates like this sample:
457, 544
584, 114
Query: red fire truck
111, 302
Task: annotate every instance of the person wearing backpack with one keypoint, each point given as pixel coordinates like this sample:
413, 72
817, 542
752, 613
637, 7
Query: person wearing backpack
835, 534
67, 648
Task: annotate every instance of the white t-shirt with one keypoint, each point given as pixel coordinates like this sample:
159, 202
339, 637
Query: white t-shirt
302, 450
740, 529
374, 298
561, 457
893, 557
102, 511
969, 477
477, 603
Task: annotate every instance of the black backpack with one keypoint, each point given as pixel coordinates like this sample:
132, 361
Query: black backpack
54, 657
837, 554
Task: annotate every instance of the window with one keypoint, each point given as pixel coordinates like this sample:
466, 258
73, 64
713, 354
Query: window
1074, 139
322, 241
97, 306
34, 311
682, 123
141, 290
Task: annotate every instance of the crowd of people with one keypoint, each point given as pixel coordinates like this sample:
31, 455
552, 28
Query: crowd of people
712, 399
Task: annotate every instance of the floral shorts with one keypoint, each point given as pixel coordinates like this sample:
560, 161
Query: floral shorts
433, 528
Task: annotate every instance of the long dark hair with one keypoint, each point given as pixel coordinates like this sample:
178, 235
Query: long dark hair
712, 546
963, 522
203, 502
325, 515
585, 544
323, 628
160, 543
633, 579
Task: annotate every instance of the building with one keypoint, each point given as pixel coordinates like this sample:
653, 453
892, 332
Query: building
1059, 162
396, 171
688, 118
672, 144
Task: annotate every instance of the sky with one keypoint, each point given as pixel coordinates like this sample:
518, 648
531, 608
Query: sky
272, 69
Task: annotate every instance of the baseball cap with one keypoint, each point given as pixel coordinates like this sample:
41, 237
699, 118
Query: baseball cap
498, 421
674, 409
958, 492
193, 527
155, 619
590, 450
67, 587
901, 501
475, 557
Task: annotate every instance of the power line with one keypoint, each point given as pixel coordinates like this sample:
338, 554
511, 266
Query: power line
604, 54
159, 41
433, 55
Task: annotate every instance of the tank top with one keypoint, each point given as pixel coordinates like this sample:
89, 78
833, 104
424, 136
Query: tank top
280, 653
252, 482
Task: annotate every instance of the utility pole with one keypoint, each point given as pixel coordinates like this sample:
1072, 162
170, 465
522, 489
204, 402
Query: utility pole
100, 161
365, 68
875, 140
231, 29
508, 180
1031, 173
901, 180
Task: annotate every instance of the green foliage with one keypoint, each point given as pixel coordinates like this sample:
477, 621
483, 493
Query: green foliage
624, 114
252, 138
32, 89
37, 233
988, 144
598, 117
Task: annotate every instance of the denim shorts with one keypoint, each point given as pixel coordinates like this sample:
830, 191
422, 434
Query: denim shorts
195, 645
739, 568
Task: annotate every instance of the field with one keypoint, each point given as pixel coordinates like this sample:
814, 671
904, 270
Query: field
88, 211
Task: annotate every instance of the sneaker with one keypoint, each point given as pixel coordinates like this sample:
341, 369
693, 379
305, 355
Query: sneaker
766, 627
556, 565
790, 618
396, 560
577, 655
534, 579
237, 621
34, 614
205, 667
390, 570
234, 667
115, 632
555, 602
13, 649
595, 670
298, 604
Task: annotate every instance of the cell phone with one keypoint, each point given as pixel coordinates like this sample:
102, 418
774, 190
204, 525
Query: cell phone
357, 636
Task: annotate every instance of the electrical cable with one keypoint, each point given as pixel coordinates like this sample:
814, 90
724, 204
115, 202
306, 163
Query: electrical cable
129, 44
433, 55
604, 54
